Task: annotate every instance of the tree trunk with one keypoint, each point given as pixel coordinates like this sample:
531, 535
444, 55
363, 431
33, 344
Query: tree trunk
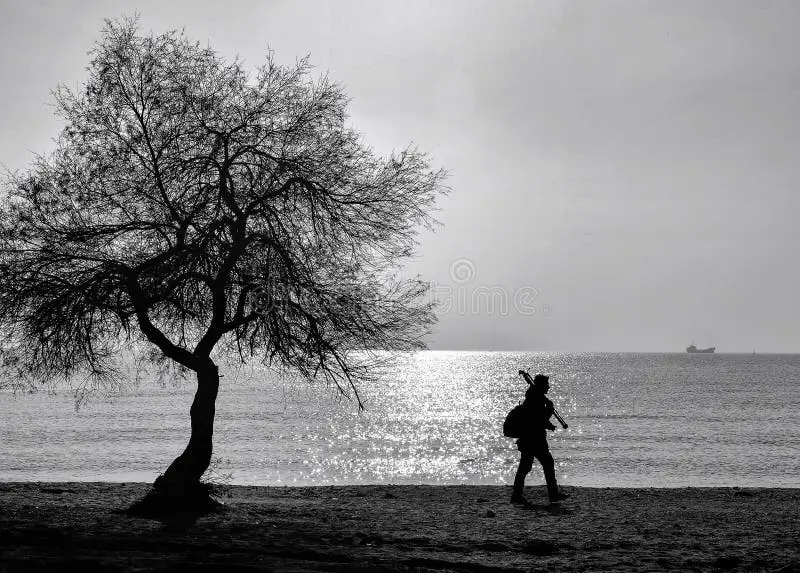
183, 475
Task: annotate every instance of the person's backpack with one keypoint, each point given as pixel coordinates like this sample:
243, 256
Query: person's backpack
514, 423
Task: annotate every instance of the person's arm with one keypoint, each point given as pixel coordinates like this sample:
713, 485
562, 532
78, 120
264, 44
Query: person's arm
547, 411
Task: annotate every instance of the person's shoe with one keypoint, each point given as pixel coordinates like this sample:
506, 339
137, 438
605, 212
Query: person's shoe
519, 499
562, 495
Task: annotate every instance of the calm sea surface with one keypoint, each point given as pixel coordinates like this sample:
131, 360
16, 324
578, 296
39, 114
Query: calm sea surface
635, 420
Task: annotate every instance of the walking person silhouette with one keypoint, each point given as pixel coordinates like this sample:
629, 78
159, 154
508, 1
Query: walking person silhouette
533, 440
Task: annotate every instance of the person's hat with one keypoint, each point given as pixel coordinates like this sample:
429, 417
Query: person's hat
540, 380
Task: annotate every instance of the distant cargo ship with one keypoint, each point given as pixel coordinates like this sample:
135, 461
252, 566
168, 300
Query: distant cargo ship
692, 349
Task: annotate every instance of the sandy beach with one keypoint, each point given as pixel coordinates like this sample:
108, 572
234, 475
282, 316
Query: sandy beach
53, 526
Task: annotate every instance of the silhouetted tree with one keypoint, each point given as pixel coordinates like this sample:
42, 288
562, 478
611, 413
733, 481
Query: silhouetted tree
206, 211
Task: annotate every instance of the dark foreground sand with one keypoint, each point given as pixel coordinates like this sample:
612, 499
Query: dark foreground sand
79, 527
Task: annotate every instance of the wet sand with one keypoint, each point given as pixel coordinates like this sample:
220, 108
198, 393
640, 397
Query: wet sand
81, 527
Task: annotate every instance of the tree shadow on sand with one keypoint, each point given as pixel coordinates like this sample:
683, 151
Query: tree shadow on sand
177, 512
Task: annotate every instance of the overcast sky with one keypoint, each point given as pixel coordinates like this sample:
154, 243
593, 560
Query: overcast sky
624, 173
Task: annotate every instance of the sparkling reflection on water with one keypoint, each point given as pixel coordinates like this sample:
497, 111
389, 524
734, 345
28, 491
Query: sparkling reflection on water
656, 420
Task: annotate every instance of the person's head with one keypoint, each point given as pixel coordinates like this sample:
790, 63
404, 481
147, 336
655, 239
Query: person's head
541, 384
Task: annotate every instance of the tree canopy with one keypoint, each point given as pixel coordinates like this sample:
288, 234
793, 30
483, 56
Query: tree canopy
196, 207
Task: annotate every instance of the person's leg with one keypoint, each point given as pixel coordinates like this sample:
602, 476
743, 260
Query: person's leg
525, 465
548, 465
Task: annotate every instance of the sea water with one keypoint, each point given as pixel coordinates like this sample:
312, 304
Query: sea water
635, 420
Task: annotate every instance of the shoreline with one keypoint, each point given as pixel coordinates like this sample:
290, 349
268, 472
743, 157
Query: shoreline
54, 525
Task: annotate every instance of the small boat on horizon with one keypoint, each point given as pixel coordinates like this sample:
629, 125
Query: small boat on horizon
692, 349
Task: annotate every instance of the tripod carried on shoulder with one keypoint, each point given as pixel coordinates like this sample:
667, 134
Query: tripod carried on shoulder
529, 380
